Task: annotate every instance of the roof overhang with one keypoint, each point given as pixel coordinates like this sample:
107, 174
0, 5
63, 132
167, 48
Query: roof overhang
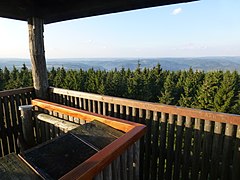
60, 10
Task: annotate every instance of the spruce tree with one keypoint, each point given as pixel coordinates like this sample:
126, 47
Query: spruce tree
59, 78
169, 90
226, 95
207, 92
1, 80
190, 87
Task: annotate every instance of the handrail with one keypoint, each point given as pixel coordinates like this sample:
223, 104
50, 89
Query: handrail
16, 91
194, 113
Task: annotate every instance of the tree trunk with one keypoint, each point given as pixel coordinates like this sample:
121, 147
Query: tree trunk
37, 54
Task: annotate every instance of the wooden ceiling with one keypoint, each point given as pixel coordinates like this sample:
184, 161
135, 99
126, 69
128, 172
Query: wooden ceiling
60, 10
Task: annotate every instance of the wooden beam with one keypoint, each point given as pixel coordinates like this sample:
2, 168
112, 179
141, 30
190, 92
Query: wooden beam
37, 54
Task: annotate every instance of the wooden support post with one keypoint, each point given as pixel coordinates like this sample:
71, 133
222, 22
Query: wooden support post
27, 141
37, 54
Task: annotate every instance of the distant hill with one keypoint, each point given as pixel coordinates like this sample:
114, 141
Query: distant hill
174, 64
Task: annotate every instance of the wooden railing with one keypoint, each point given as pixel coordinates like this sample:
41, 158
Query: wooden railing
10, 120
181, 143
113, 156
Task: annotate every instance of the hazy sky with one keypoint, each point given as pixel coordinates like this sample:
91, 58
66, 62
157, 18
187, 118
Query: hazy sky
204, 28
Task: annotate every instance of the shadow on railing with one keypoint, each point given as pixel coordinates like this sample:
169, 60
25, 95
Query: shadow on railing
10, 120
181, 143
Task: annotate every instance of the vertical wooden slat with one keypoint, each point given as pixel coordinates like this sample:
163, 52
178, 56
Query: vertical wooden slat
80, 101
142, 148
122, 114
162, 152
227, 153
90, 105
178, 148
147, 142
43, 131
9, 124
206, 154
170, 144
4, 143
196, 149
236, 156
76, 103
116, 110
107, 173
110, 109
85, 102
14, 122
216, 151
99, 176
116, 169
99, 107
28, 96
104, 108
130, 163
187, 148
136, 159
123, 162
47, 131
94, 107
155, 136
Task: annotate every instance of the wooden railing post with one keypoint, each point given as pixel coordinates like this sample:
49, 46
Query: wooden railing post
27, 140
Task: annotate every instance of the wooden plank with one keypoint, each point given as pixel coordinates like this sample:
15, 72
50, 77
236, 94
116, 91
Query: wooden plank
60, 123
162, 150
170, 144
236, 156
206, 151
4, 148
99, 107
116, 169
216, 151
137, 159
142, 148
28, 97
187, 148
122, 113
88, 116
194, 113
90, 105
155, 136
123, 162
127, 114
178, 148
12, 167
99, 176
105, 109
9, 128
15, 127
96, 133
227, 153
16, 91
130, 162
147, 142
37, 54
23, 99
196, 149
107, 173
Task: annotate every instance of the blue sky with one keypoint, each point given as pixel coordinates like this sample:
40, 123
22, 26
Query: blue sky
203, 28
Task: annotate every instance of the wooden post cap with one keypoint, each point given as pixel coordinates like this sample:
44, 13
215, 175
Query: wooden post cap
25, 107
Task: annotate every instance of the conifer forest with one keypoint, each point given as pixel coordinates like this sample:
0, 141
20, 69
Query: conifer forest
215, 90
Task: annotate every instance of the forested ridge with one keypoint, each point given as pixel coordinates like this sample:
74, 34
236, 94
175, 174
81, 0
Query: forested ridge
216, 91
